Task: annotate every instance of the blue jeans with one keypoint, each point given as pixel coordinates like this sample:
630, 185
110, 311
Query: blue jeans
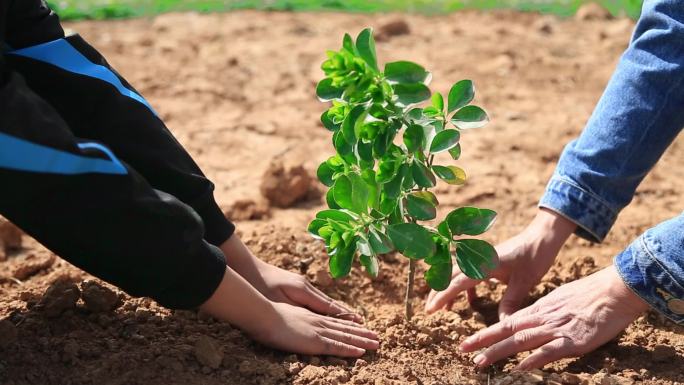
639, 115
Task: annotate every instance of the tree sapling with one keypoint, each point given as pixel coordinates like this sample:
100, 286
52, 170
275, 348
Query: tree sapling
379, 189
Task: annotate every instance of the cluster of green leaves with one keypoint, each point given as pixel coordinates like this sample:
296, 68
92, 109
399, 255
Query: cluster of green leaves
384, 165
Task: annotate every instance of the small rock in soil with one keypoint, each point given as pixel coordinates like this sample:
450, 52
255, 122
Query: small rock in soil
391, 29
592, 11
10, 238
208, 352
247, 210
283, 187
99, 298
570, 378
60, 296
662, 353
8, 333
32, 265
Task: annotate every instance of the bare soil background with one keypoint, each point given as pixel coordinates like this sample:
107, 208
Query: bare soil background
237, 90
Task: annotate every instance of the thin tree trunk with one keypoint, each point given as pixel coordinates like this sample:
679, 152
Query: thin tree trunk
409, 289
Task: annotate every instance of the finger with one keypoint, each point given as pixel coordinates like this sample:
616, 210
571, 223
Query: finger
521, 341
352, 329
350, 339
318, 302
552, 351
471, 295
499, 332
333, 347
516, 292
460, 283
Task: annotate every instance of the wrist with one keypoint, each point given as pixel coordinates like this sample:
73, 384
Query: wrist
239, 303
625, 296
554, 228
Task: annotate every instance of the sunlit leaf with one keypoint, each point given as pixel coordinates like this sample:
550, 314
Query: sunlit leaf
475, 257
412, 240
470, 117
460, 95
470, 220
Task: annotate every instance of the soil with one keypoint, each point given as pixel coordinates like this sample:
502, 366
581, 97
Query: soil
237, 90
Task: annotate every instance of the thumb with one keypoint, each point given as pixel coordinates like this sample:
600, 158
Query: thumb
516, 292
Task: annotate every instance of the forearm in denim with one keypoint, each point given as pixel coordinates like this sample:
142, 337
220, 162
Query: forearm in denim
653, 267
640, 113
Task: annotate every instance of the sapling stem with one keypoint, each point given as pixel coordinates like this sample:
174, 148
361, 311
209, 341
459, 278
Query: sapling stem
408, 310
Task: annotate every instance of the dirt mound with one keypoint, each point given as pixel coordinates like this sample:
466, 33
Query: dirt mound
241, 96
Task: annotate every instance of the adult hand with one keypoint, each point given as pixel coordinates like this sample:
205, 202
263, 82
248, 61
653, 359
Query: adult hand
523, 261
283, 326
280, 285
574, 319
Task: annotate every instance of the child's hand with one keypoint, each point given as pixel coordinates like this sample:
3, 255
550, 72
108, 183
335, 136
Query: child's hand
280, 285
283, 286
283, 326
299, 330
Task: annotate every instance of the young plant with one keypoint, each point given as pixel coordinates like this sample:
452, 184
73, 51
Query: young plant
384, 166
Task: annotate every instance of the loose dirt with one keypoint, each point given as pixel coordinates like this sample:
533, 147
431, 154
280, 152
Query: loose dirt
237, 90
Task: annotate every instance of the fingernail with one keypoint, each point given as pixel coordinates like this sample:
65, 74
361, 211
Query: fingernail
479, 359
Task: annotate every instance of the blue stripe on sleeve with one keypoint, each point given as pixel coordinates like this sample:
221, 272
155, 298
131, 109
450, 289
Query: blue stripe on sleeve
63, 55
21, 155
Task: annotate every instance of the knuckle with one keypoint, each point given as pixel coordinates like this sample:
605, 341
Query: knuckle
522, 337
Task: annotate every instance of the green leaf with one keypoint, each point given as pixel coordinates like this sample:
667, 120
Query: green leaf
326, 91
336, 215
460, 95
349, 123
388, 205
438, 101
438, 276
405, 72
325, 174
365, 151
387, 169
351, 193
393, 187
450, 174
325, 232
444, 140
470, 220
414, 138
442, 253
330, 199
328, 122
370, 263
420, 207
412, 240
344, 149
348, 44
470, 117
455, 152
422, 175
368, 177
365, 45
443, 229
316, 225
341, 260
380, 243
475, 257
411, 93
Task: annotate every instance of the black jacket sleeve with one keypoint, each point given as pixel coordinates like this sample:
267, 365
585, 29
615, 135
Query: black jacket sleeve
94, 209
97, 103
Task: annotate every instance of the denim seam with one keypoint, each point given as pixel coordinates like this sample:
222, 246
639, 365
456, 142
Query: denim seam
640, 295
569, 181
650, 254
562, 214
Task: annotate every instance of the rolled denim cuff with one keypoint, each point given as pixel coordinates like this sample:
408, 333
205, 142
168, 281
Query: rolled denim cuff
645, 272
593, 216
